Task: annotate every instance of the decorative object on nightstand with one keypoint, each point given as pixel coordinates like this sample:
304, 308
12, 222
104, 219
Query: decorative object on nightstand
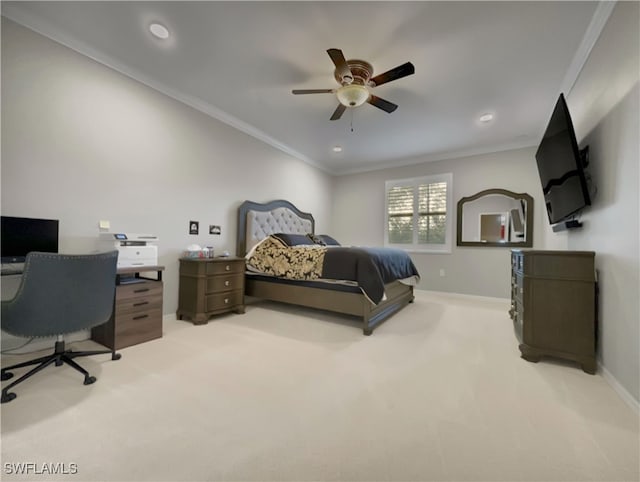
137, 315
553, 305
210, 286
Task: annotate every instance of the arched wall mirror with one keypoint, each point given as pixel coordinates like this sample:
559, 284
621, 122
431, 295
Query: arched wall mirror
495, 217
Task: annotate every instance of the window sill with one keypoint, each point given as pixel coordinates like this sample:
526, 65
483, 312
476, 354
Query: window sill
414, 250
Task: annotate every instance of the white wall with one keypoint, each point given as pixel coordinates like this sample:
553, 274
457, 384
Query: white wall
83, 143
605, 107
483, 271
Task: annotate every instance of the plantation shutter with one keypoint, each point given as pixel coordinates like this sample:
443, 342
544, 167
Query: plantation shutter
432, 213
400, 210
418, 213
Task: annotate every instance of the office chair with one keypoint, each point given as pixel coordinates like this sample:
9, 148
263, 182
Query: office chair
60, 294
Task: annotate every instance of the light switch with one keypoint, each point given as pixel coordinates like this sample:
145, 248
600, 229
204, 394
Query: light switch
105, 224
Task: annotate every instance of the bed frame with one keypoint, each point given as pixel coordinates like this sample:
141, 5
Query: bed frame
257, 221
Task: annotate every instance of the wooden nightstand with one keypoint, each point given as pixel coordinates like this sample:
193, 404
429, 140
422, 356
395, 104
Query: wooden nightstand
210, 286
137, 313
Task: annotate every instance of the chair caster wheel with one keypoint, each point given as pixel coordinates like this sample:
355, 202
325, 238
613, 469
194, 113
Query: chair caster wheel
116, 356
6, 376
7, 397
89, 380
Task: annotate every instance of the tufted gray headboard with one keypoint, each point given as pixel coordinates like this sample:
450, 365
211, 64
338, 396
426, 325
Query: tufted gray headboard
256, 221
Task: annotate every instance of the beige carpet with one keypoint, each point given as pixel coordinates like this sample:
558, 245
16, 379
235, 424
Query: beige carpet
281, 393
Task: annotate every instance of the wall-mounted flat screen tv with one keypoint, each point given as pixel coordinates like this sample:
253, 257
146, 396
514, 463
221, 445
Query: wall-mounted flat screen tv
20, 236
561, 166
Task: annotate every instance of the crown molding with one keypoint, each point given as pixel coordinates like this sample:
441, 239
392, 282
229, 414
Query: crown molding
442, 156
45, 29
593, 32
591, 36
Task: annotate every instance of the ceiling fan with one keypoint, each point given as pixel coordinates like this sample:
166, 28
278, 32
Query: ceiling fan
354, 77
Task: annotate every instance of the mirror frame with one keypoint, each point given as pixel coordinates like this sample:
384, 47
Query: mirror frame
527, 243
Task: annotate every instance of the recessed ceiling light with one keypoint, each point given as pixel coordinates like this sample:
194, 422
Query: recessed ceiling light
159, 30
488, 117
337, 149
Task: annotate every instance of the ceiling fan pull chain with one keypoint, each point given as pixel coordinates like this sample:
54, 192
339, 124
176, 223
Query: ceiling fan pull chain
351, 123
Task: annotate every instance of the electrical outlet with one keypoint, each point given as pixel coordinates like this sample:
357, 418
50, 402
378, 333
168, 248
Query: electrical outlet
442, 273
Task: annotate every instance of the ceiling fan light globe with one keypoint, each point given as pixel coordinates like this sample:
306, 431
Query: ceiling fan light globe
352, 95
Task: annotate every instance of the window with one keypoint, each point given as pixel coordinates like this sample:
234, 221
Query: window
418, 213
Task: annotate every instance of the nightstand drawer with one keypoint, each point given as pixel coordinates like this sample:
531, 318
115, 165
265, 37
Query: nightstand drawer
224, 300
227, 266
217, 284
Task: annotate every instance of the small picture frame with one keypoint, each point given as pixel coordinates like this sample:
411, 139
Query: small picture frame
214, 229
194, 227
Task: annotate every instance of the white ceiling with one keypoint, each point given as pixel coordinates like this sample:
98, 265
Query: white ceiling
239, 61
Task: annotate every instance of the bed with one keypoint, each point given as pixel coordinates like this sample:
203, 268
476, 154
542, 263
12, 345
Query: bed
257, 221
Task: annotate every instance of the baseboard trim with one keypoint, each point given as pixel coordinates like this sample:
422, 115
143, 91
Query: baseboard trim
465, 296
619, 389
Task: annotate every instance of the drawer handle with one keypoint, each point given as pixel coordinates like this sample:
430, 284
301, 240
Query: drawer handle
226, 301
142, 303
139, 317
226, 283
227, 268
142, 290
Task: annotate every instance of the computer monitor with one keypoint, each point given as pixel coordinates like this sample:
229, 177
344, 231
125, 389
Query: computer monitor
20, 236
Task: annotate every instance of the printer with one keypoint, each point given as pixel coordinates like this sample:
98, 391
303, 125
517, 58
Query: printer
134, 250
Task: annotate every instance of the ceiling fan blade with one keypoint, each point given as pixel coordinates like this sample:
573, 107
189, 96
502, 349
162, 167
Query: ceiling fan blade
385, 105
394, 74
313, 91
341, 65
338, 112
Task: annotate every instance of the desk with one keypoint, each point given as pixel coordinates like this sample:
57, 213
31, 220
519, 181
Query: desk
137, 311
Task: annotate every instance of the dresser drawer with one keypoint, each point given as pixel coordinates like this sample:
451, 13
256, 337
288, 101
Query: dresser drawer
518, 321
518, 287
517, 261
221, 301
216, 284
223, 267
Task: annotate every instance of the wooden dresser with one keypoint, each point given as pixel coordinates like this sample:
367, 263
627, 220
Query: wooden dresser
210, 286
137, 314
553, 305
